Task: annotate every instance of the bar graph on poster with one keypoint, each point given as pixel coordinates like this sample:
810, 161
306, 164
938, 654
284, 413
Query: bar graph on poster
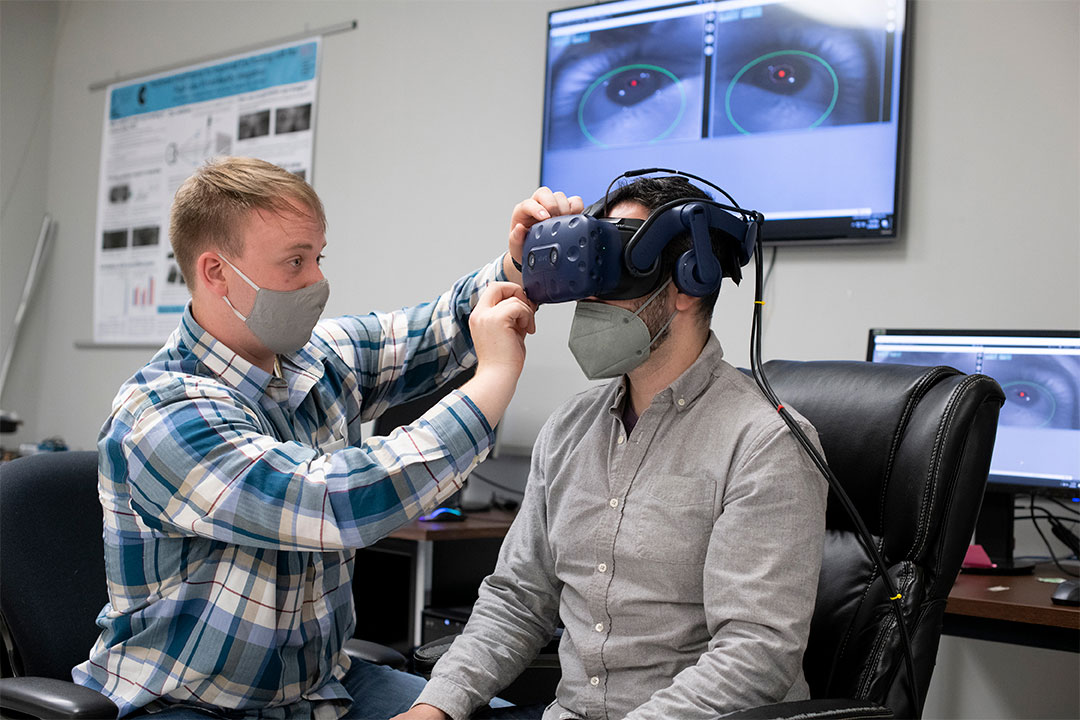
158, 129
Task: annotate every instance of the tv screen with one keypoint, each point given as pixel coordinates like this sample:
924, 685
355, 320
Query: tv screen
1037, 448
794, 106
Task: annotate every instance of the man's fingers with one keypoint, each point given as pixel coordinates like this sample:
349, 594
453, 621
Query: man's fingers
517, 236
496, 292
542, 205
562, 203
529, 212
556, 203
515, 310
525, 316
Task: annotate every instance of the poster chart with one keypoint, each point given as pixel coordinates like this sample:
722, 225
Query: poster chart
157, 131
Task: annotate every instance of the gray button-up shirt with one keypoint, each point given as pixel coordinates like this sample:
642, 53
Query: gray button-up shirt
682, 557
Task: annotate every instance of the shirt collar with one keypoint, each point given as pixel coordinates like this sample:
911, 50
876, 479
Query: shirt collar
688, 386
301, 369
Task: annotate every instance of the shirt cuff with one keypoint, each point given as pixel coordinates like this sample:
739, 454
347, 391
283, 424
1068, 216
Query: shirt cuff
463, 430
448, 697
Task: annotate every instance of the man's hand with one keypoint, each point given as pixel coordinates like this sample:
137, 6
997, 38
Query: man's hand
422, 712
499, 323
542, 205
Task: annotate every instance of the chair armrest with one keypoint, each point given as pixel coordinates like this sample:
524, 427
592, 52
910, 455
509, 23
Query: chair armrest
425, 656
374, 653
825, 709
49, 698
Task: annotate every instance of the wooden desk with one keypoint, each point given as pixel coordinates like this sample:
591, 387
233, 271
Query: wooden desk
486, 524
1022, 614
420, 538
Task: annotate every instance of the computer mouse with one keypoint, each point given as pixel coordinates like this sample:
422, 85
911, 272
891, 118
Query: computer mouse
443, 514
1067, 593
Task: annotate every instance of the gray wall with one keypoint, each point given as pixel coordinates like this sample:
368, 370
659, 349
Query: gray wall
430, 112
28, 38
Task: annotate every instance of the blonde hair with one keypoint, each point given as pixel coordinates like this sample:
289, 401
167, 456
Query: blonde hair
210, 206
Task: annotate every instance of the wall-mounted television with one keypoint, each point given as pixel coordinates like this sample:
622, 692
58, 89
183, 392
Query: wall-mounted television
794, 107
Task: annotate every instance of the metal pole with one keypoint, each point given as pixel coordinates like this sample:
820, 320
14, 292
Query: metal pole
28, 290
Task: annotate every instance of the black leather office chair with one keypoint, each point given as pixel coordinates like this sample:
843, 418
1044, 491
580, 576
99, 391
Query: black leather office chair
52, 585
911, 446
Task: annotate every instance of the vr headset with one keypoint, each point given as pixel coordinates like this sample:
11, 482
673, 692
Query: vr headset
590, 255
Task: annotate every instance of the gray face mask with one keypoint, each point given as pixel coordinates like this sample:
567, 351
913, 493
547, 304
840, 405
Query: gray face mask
608, 341
282, 320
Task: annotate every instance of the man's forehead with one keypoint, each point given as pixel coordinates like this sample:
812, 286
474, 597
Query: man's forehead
286, 230
629, 209
290, 221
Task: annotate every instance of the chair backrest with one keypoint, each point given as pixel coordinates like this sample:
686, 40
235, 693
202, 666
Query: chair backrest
911, 446
52, 561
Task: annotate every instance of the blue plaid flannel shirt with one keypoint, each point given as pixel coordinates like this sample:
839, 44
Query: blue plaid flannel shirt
233, 500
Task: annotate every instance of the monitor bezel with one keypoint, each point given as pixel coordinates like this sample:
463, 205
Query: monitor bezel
994, 483
787, 233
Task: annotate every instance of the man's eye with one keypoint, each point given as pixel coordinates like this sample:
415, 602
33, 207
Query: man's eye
773, 71
794, 73
296, 262
627, 86
319, 259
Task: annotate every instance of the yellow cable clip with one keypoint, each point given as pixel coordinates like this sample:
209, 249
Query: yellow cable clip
896, 597
759, 302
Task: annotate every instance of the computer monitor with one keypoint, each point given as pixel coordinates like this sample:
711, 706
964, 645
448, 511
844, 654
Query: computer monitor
1037, 449
795, 107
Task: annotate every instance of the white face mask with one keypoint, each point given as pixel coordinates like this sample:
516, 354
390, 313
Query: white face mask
282, 320
608, 341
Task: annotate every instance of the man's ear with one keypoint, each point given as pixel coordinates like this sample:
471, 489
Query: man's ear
684, 302
210, 273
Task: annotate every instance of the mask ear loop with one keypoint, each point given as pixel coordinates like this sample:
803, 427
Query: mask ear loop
245, 278
248, 280
637, 313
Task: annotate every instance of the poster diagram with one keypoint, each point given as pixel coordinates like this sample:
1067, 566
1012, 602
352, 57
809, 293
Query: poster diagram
158, 130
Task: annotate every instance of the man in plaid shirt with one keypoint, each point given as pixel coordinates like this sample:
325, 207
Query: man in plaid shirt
233, 476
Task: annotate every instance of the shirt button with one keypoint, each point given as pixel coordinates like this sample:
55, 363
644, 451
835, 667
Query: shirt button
621, 440
681, 401
594, 681
613, 502
599, 627
602, 567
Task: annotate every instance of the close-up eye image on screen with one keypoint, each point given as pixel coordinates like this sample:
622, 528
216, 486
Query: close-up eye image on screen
628, 85
1040, 392
795, 106
789, 67
1037, 447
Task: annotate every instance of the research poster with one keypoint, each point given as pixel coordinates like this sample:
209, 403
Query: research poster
157, 131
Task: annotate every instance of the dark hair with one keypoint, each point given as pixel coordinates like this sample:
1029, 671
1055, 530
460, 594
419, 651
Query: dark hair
652, 192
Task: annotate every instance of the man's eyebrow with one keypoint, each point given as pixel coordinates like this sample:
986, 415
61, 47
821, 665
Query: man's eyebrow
302, 246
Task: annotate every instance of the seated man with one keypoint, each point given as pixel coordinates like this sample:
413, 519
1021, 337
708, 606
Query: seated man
671, 521
234, 478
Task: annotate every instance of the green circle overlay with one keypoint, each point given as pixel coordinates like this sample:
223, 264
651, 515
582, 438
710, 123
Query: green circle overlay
1053, 400
767, 56
611, 73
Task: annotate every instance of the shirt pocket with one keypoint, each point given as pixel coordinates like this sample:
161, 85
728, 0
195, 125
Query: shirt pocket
671, 519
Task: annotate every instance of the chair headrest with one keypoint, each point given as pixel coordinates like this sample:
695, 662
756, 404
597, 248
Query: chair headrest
861, 411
